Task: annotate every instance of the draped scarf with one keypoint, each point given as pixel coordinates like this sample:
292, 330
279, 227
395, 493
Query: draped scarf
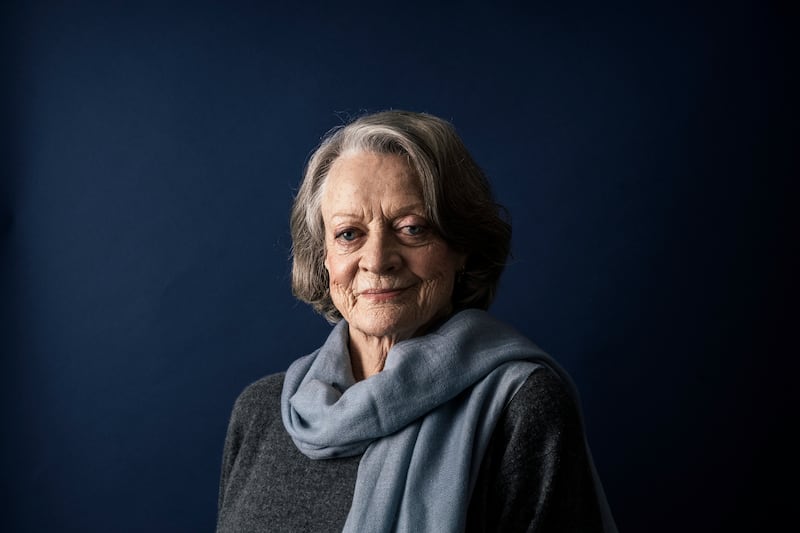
423, 423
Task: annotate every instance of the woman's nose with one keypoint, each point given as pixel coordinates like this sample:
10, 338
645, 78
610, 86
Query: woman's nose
380, 253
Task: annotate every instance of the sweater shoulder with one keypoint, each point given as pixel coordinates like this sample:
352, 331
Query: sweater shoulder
260, 399
542, 405
268, 386
536, 473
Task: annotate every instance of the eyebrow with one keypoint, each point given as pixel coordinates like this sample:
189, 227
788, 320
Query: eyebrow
415, 208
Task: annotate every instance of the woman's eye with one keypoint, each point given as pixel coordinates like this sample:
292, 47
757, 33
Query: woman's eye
346, 235
413, 230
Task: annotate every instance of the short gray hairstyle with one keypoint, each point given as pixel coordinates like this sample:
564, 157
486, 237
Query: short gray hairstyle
458, 202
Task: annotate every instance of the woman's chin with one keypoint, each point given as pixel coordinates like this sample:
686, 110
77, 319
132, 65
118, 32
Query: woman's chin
388, 324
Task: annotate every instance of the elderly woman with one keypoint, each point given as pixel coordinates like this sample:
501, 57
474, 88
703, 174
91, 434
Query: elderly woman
420, 412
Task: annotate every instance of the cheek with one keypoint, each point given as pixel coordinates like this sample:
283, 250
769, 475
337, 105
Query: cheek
441, 266
338, 270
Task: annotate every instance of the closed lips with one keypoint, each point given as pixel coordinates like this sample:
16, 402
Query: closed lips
381, 293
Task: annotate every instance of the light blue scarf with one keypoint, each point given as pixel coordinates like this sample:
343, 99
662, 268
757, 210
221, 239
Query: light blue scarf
423, 423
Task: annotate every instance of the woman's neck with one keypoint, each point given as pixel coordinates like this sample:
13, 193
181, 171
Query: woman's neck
368, 354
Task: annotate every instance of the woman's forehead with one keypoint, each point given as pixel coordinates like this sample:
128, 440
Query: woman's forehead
368, 178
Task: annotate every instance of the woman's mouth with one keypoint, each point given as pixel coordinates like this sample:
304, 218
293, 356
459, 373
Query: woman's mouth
381, 295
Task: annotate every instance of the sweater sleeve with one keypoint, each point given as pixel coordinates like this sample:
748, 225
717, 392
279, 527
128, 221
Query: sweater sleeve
233, 441
536, 474
248, 413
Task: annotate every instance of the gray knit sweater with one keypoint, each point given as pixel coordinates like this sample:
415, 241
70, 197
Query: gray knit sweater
535, 475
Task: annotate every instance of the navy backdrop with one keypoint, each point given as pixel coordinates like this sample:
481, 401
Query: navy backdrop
150, 153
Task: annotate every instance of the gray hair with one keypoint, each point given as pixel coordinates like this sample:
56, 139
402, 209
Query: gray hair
458, 202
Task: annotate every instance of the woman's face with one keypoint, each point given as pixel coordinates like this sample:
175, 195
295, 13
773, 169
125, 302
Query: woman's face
390, 274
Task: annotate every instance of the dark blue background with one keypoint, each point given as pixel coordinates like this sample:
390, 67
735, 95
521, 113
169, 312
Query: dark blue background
150, 153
